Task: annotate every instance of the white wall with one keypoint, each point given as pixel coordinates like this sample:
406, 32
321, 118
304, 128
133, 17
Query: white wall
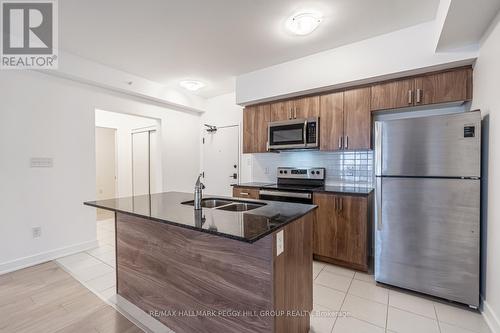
486, 89
385, 56
124, 125
45, 116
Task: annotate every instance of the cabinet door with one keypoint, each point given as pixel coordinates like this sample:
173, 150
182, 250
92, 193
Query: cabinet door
255, 121
331, 121
391, 95
444, 87
306, 107
282, 111
325, 225
357, 119
352, 230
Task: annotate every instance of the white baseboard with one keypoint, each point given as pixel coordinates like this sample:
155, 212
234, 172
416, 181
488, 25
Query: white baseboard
40, 258
491, 318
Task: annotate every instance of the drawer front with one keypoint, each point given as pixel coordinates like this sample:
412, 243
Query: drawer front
246, 192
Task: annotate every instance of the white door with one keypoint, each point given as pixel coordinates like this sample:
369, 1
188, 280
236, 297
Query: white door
140, 163
221, 160
154, 155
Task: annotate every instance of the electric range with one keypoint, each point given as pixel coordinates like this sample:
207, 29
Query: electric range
294, 185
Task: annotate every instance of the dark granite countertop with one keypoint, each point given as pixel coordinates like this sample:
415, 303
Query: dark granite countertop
246, 226
347, 188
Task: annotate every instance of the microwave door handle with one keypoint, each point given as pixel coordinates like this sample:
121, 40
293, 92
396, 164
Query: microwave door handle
304, 133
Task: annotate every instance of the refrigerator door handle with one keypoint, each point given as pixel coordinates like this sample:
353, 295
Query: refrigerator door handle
378, 148
378, 202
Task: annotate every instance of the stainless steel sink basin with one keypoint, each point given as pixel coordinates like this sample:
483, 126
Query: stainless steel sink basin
225, 204
241, 206
210, 203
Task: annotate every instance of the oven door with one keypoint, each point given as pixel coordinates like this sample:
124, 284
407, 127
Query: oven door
287, 134
287, 196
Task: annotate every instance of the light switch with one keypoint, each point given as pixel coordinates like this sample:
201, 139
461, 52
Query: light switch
41, 162
280, 246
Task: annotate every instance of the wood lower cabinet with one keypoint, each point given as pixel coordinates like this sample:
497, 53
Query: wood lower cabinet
444, 87
255, 120
246, 192
342, 229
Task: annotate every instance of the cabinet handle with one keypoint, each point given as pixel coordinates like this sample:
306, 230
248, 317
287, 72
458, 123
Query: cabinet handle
341, 204
346, 142
335, 203
419, 95
410, 96
340, 142
244, 193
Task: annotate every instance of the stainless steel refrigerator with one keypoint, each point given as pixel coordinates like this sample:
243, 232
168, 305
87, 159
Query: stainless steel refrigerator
427, 233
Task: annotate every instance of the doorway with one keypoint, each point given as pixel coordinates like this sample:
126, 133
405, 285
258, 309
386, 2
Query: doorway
144, 161
105, 167
221, 167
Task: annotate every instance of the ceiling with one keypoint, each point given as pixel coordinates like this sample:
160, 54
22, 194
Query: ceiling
169, 40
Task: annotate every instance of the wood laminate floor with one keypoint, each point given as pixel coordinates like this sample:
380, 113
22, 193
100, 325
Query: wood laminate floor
45, 299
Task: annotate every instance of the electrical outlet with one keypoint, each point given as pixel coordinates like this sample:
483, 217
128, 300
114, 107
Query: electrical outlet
280, 244
37, 232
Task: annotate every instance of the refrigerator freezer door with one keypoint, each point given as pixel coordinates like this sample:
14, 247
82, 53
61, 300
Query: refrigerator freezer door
428, 237
436, 146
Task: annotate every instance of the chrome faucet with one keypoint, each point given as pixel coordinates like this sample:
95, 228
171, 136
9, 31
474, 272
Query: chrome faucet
198, 192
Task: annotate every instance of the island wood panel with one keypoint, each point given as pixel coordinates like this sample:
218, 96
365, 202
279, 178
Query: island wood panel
215, 273
392, 95
164, 267
255, 120
245, 192
331, 121
293, 276
306, 107
450, 86
357, 119
281, 111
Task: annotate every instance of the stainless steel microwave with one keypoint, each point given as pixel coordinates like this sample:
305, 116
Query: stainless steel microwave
294, 134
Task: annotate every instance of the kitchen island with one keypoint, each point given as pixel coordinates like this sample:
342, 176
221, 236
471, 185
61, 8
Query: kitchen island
219, 269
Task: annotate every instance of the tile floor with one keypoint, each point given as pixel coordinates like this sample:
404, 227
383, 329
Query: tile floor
345, 301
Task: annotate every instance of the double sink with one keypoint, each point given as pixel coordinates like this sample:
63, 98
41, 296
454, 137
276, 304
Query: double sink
225, 204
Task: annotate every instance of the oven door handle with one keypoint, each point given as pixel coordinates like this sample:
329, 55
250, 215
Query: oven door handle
300, 195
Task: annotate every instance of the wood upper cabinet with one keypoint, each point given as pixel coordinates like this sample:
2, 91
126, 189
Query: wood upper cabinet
392, 95
453, 85
345, 120
331, 121
255, 120
281, 111
342, 229
357, 119
306, 107
444, 87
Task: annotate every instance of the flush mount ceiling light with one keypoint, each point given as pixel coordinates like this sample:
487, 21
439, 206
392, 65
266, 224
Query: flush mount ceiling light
191, 85
303, 23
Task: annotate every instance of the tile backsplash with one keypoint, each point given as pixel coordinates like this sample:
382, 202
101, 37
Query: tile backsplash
352, 166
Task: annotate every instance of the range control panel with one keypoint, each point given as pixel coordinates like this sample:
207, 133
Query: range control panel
301, 173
